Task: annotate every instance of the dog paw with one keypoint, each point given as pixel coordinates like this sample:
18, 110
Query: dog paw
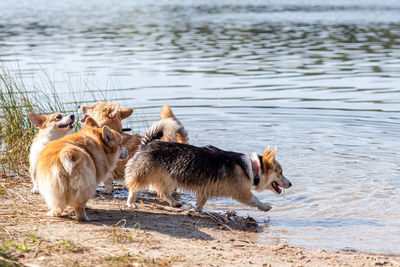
108, 189
35, 190
83, 218
199, 210
131, 205
53, 213
265, 207
176, 205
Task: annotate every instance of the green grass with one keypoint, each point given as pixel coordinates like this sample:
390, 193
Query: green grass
16, 131
120, 234
6, 260
9, 245
18, 99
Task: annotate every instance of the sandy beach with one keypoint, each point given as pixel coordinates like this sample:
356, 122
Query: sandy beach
152, 235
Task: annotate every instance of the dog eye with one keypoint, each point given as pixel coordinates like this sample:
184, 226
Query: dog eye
59, 117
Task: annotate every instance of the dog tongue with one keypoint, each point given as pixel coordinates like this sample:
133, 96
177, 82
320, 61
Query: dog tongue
84, 118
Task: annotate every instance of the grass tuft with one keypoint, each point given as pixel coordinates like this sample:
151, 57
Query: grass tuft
16, 132
17, 100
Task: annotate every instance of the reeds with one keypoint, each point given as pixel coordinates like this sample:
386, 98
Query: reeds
16, 131
43, 96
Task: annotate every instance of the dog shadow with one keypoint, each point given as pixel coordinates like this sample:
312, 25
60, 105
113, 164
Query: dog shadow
176, 225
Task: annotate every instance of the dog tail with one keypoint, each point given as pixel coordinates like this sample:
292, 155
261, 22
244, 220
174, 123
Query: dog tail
181, 135
167, 128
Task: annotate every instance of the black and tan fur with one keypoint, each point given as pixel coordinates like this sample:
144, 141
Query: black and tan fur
207, 171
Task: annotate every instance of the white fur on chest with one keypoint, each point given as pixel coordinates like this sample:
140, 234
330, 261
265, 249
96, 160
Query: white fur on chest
37, 147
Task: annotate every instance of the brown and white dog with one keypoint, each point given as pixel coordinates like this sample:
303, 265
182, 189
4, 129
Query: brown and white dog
207, 171
112, 115
51, 127
69, 169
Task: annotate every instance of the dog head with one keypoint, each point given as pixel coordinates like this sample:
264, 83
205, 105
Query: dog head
56, 124
105, 114
111, 139
272, 173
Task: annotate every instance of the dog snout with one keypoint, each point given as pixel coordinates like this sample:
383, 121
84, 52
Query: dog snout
287, 183
72, 117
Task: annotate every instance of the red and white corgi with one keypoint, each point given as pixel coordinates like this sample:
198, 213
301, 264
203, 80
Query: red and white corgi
69, 169
51, 127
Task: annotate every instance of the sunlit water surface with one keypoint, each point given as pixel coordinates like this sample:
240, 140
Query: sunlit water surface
319, 80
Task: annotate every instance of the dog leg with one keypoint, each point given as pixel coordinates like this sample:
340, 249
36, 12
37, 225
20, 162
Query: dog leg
55, 212
35, 188
132, 198
200, 202
81, 213
166, 195
108, 186
255, 202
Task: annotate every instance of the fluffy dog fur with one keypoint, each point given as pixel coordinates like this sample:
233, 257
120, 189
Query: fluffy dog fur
181, 134
69, 169
51, 127
112, 115
207, 171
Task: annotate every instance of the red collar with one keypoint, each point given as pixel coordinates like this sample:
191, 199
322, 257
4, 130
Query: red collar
256, 171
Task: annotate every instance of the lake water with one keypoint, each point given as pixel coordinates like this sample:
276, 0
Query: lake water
319, 80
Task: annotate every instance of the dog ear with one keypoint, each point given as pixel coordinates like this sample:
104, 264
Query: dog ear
37, 119
89, 121
125, 112
112, 110
271, 156
108, 136
266, 151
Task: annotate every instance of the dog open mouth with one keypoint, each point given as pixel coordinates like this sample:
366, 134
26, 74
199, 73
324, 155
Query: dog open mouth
276, 187
68, 125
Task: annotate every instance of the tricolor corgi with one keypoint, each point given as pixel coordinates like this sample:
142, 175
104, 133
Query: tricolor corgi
207, 171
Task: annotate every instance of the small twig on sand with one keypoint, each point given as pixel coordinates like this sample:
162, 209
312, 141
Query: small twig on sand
5, 230
15, 193
219, 219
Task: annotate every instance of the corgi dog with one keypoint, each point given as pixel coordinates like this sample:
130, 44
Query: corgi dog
51, 127
207, 171
112, 115
69, 169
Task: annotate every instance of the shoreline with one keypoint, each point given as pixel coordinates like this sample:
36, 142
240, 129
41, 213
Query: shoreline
152, 235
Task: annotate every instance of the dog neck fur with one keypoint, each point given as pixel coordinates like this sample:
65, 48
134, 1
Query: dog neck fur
251, 172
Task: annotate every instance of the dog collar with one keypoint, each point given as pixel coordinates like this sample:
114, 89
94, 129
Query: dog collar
256, 168
84, 118
126, 129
